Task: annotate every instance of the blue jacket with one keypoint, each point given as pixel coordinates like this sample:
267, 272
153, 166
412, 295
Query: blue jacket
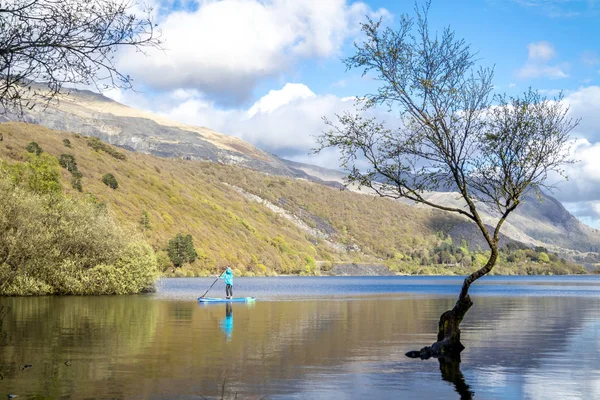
228, 276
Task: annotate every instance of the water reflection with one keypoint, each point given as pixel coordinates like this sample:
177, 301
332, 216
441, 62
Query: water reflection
450, 369
147, 348
227, 322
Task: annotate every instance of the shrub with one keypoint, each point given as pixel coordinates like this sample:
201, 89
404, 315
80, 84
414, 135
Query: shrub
78, 249
163, 261
145, 221
110, 181
34, 148
67, 142
39, 174
543, 257
68, 162
76, 183
181, 250
98, 145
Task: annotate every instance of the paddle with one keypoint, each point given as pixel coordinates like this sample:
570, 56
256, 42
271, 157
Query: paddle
212, 285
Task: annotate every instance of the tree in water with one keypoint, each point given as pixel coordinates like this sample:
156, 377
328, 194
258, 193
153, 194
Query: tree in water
453, 135
58, 42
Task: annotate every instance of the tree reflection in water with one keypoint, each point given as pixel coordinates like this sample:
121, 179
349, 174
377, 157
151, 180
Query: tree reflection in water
450, 369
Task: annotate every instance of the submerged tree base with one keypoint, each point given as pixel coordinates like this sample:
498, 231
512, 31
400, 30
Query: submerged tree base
448, 339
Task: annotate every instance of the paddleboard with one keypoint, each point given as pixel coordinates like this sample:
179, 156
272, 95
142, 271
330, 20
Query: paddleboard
222, 300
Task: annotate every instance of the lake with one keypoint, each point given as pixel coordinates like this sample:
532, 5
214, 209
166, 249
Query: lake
307, 338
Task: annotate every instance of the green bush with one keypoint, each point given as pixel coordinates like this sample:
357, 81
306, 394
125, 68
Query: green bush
39, 174
145, 221
68, 162
76, 183
34, 148
67, 142
78, 249
98, 145
163, 261
181, 250
110, 181
543, 257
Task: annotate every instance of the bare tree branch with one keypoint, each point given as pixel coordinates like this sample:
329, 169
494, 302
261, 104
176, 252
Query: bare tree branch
46, 44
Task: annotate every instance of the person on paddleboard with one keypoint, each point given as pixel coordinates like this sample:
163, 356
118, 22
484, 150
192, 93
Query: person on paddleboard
228, 277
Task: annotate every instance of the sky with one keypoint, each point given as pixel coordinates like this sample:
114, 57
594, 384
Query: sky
267, 71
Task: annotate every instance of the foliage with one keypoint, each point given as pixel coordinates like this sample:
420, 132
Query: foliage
67, 143
98, 145
39, 174
110, 181
145, 221
163, 261
34, 148
78, 249
206, 200
181, 250
68, 162
543, 257
65, 42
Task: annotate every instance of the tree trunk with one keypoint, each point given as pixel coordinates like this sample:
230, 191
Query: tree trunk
448, 338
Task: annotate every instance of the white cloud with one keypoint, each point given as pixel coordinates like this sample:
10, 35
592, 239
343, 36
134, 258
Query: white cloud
223, 48
284, 122
584, 176
537, 64
538, 71
278, 98
584, 105
540, 51
115, 94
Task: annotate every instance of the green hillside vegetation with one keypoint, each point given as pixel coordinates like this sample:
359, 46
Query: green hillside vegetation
166, 197
53, 244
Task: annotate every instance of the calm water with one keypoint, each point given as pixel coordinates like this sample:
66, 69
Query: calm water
307, 338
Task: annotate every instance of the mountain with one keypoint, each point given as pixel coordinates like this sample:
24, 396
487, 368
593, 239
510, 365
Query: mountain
546, 224
542, 221
93, 114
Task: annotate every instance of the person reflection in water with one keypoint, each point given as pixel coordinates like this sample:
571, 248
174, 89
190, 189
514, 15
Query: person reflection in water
227, 322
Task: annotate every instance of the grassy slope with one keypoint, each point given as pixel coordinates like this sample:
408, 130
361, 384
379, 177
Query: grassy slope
198, 198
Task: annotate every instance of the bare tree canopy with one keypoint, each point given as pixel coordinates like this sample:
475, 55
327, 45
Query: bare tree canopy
453, 134
58, 42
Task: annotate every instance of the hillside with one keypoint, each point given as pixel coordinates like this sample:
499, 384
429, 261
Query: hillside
537, 221
260, 224
547, 224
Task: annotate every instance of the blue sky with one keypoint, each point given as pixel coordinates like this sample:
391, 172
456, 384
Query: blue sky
268, 70
499, 30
